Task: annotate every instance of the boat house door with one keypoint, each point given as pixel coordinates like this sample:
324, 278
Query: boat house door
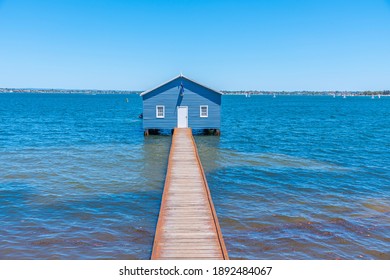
182, 116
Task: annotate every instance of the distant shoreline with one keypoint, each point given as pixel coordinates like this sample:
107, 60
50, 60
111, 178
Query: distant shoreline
67, 91
227, 92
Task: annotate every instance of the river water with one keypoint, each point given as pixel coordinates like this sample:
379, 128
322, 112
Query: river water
292, 177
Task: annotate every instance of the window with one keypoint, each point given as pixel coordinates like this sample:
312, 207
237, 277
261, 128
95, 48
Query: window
204, 111
160, 111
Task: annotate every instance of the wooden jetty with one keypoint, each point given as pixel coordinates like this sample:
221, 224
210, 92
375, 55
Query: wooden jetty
188, 225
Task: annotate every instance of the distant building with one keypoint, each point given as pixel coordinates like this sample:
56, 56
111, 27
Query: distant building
181, 102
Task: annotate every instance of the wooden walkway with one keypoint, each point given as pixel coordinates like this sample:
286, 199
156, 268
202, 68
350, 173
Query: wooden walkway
187, 226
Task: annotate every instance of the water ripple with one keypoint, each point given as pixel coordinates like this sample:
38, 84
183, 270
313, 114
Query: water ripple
291, 177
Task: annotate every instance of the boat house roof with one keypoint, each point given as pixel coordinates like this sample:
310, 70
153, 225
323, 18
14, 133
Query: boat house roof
177, 77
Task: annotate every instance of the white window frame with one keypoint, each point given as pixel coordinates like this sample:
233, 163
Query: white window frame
163, 112
207, 111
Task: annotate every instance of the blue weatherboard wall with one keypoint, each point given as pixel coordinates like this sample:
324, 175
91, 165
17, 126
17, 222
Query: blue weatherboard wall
194, 96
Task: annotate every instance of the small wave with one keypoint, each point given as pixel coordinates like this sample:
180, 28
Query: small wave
378, 206
271, 160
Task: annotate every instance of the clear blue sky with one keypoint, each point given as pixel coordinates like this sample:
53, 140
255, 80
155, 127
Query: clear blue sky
259, 44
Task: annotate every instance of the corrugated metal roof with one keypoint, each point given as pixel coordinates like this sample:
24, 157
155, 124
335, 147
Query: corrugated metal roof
179, 76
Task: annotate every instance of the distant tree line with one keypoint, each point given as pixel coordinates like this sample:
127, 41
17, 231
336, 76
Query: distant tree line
306, 92
378, 92
244, 92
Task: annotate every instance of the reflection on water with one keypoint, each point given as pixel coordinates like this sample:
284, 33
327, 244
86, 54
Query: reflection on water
301, 178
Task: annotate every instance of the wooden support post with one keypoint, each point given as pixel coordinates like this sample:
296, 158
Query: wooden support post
146, 132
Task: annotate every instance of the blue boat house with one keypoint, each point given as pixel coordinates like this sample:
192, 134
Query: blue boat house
180, 103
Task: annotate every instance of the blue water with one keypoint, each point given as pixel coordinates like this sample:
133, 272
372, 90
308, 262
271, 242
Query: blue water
292, 177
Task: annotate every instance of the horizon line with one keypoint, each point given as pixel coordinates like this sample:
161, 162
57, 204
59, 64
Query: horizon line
223, 90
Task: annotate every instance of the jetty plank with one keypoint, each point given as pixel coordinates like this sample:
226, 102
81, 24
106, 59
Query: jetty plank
187, 226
